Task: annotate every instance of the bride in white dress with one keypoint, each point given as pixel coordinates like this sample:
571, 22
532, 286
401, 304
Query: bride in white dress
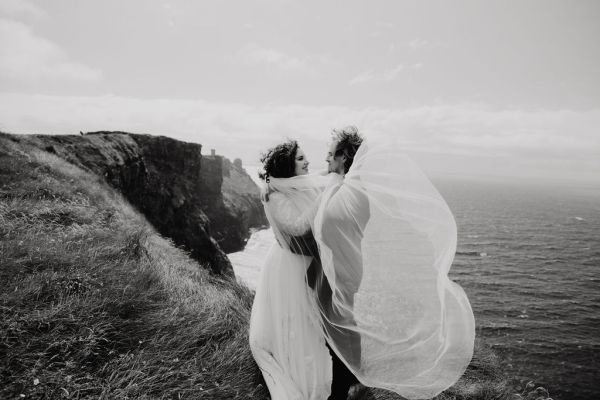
286, 337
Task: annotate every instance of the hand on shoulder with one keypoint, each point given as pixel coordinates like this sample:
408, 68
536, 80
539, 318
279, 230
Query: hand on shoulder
265, 193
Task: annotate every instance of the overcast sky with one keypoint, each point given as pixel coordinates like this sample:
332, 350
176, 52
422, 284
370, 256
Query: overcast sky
469, 88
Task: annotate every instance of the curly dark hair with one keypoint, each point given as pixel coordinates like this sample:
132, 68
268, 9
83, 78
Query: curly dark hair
279, 161
348, 141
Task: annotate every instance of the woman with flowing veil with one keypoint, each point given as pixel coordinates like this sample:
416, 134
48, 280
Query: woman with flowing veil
286, 338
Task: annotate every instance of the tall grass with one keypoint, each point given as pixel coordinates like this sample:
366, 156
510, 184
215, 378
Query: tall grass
95, 304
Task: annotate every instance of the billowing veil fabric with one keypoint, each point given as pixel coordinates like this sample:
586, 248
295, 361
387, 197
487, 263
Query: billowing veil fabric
286, 337
387, 240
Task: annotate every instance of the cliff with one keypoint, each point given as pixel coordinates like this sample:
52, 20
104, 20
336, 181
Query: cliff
94, 303
241, 197
186, 196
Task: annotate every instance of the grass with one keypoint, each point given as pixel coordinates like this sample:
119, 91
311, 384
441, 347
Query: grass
95, 304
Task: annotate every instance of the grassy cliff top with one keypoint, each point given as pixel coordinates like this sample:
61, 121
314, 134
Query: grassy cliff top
95, 304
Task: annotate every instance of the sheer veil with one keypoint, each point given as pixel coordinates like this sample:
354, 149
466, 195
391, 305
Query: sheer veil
386, 240
383, 241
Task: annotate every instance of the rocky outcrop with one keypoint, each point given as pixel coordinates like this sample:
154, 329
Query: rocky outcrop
186, 196
243, 210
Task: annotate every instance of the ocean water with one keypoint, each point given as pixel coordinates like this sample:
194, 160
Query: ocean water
528, 257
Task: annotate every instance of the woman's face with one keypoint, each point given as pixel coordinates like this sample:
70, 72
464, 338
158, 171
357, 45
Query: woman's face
301, 163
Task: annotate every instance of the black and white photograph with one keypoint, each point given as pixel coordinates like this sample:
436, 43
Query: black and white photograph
300, 200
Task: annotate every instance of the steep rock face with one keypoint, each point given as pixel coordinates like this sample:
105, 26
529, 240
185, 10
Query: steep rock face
242, 208
169, 181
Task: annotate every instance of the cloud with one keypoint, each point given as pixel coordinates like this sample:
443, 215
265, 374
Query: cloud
383, 76
418, 43
381, 27
384, 25
24, 56
15, 9
254, 54
478, 139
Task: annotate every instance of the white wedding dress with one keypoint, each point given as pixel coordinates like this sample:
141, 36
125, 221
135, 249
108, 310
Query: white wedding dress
286, 337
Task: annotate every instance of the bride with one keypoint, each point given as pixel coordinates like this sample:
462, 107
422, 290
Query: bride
286, 338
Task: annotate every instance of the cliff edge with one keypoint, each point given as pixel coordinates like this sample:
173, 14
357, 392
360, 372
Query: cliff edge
241, 197
189, 198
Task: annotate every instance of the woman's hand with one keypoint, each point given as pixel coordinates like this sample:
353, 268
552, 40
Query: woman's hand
264, 193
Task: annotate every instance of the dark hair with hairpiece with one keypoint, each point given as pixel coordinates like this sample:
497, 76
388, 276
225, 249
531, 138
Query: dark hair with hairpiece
348, 141
279, 161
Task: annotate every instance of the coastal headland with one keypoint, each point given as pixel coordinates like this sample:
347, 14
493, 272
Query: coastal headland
114, 282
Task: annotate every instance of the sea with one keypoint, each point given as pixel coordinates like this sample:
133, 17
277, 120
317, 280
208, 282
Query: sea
528, 258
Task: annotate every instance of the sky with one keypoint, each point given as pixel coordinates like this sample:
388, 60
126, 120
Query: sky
491, 90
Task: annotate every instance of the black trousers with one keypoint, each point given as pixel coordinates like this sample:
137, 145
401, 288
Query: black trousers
342, 378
